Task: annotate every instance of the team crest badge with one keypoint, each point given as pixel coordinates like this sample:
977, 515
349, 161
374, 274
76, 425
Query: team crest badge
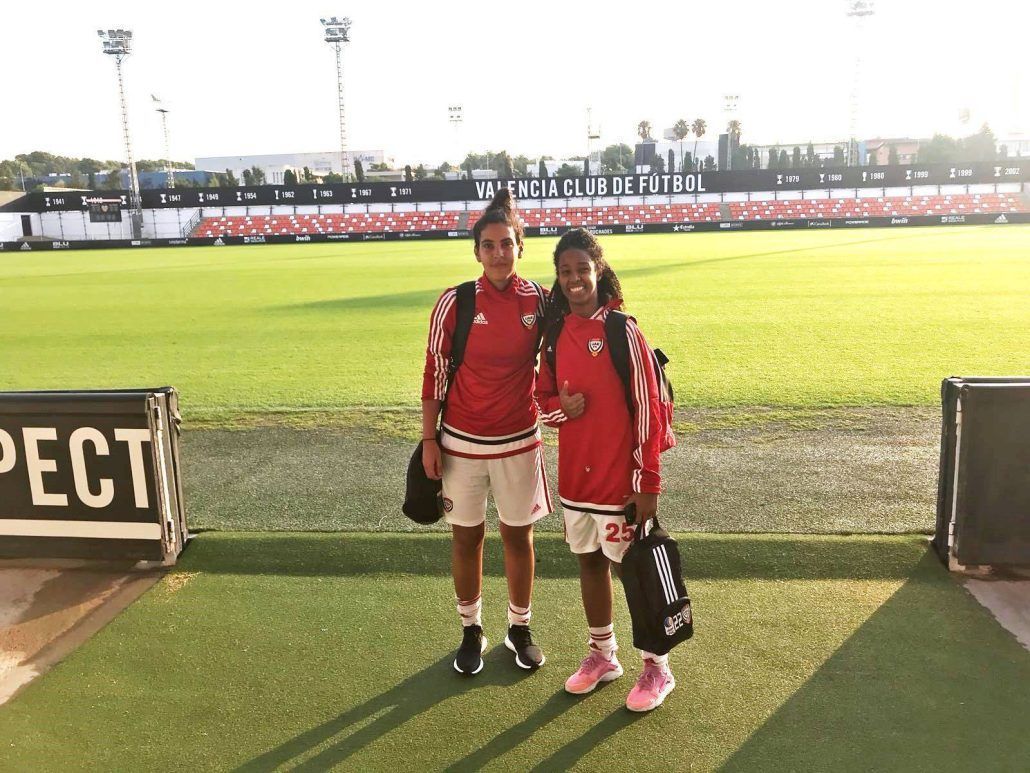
448, 504
528, 320
595, 345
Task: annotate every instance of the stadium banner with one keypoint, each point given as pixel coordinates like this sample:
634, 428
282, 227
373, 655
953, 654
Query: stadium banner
641, 228
548, 188
91, 475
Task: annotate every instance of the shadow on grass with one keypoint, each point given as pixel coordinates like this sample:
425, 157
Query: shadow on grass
424, 299
379, 716
572, 752
704, 557
388, 711
415, 299
566, 756
924, 684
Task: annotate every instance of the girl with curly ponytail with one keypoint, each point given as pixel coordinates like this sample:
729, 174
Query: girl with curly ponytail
609, 436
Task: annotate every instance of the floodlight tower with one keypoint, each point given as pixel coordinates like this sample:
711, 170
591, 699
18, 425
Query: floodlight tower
169, 174
456, 117
859, 10
593, 133
337, 32
118, 43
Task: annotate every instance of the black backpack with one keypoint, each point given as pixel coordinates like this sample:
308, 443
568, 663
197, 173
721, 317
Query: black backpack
465, 311
657, 598
421, 495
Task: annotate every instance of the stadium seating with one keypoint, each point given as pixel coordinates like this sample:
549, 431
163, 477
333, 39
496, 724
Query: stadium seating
622, 215
375, 222
876, 207
569, 217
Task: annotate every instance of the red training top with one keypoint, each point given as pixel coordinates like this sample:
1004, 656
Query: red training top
489, 411
605, 454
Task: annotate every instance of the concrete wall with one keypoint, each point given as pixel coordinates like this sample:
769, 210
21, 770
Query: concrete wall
10, 227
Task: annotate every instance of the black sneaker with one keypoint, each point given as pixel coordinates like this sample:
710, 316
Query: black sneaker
470, 654
520, 641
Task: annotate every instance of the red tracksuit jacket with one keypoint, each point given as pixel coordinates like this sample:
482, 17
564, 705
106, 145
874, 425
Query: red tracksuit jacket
605, 454
490, 411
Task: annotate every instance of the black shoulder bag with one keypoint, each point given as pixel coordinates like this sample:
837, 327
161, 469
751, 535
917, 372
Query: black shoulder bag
657, 598
422, 502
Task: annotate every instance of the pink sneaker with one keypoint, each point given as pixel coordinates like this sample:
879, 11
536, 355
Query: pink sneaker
594, 669
651, 688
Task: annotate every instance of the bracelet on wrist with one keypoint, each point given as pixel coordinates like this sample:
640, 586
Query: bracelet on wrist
427, 439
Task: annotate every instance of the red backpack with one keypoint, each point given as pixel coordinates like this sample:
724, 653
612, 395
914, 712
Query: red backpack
615, 332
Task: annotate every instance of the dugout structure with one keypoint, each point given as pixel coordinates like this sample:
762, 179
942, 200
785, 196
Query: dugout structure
983, 493
91, 475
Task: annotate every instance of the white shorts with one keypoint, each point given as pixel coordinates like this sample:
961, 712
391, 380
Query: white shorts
588, 532
518, 484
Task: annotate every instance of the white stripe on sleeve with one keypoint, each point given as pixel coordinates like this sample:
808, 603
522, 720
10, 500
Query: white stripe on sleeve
638, 384
437, 334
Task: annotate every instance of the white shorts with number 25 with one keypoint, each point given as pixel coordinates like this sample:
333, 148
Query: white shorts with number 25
587, 532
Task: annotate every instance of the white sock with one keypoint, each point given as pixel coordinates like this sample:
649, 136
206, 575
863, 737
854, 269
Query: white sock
518, 615
471, 611
661, 660
603, 639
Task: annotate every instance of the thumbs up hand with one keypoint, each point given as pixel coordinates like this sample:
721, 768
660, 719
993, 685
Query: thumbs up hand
572, 405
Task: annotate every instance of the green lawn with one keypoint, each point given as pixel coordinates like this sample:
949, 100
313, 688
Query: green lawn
308, 651
314, 650
775, 318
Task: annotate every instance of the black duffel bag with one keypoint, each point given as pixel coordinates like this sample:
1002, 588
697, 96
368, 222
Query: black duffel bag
657, 598
423, 501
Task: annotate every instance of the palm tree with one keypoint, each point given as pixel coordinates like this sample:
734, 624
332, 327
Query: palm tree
698, 127
733, 130
644, 130
680, 130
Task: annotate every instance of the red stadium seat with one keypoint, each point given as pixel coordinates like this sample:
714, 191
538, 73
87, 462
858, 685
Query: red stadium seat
600, 215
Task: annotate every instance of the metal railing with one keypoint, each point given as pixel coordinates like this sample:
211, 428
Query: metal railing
192, 223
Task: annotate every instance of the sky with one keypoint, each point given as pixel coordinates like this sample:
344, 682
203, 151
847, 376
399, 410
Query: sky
240, 81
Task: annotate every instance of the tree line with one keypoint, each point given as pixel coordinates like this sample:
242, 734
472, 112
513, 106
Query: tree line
93, 174
83, 173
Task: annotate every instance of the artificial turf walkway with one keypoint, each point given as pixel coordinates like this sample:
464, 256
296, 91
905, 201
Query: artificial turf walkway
311, 651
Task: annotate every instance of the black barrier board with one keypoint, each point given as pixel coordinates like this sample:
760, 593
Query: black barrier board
983, 493
601, 230
597, 186
89, 474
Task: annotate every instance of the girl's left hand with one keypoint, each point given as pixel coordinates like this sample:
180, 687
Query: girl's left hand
646, 504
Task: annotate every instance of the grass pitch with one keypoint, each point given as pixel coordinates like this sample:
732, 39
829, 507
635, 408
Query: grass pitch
863, 317
263, 652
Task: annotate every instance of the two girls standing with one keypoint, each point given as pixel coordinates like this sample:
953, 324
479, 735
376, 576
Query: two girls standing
489, 440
